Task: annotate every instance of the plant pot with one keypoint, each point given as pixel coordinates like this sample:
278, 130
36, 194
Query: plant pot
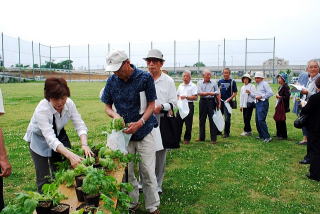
92, 199
80, 194
44, 207
87, 208
60, 209
98, 166
79, 180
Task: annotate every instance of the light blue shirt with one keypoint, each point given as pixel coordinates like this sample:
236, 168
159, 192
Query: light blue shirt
210, 86
264, 90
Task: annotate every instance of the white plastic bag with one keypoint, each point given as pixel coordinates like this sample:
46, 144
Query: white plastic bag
183, 108
157, 138
218, 120
118, 140
227, 105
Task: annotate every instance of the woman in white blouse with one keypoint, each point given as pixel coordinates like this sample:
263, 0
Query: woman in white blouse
247, 103
46, 135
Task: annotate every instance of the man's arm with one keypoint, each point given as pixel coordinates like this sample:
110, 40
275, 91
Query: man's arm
4, 163
110, 112
134, 126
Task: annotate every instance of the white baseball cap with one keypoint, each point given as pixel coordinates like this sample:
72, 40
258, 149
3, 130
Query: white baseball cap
258, 74
154, 53
115, 60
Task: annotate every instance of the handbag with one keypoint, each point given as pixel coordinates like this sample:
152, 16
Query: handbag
300, 122
251, 105
280, 113
169, 131
64, 139
233, 103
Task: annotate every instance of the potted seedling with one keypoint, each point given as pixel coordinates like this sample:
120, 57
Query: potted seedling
51, 191
24, 203
87, 208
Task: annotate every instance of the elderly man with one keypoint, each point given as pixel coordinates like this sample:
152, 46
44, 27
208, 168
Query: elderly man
188, 91
123, 90
4, 163
311, 89
166, 95
228, 90
209, 93
263, 93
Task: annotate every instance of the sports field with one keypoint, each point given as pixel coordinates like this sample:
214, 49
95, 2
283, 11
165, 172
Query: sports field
237, 175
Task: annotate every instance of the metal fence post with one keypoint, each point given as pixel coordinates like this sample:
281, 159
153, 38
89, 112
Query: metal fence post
32, 60
50, 57
89, 62
198, 64
129, 51
151, 45
218, 57
19, 59
224, 53
2, 50
245, 57
274, 52
69, 62
174, 56
40, 58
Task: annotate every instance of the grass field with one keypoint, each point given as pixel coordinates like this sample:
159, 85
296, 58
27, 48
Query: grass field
238, 175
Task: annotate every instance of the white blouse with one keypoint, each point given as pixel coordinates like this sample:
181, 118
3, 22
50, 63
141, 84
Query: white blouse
40, 131
247, 98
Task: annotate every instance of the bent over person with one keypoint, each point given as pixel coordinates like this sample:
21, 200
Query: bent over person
123, 90
46, 134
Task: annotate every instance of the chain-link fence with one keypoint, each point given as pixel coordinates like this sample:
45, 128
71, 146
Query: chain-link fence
21, 59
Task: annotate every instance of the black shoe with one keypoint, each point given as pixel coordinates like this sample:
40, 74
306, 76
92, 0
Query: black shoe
304, 161
302, 143
312, 178
226, 136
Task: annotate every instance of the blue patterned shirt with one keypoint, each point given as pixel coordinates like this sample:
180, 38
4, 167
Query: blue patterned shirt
126, 98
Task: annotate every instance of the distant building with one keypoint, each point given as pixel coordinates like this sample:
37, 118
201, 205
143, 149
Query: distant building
277, 62
1, 61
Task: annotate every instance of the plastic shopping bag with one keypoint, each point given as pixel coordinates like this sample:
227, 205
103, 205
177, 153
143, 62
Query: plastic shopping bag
183, 108
218, 120
157, 138
227, 105
118, 140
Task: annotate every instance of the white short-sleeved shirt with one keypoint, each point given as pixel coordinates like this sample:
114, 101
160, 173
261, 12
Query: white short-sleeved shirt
40, 131
189, 89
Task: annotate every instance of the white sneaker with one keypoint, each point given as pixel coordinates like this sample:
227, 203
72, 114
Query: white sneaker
244, 134
249, 133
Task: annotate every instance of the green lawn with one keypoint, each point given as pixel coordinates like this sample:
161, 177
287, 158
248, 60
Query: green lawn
238, 175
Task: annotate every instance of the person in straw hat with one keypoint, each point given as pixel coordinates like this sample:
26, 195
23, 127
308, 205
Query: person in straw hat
247, 103
263, 93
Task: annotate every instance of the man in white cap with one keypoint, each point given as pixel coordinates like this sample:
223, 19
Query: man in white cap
166, 100
123, 90
263, 93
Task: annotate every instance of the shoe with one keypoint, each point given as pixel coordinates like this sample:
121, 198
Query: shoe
280, 138
304, 161
134, 209
244, 134
157, 211
302, 143
267, 140
259, 138
213, 142
249, 133
226, 136
312, 178
186, 142
199, 140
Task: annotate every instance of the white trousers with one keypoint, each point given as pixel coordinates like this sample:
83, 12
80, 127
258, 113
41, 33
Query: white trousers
146, 149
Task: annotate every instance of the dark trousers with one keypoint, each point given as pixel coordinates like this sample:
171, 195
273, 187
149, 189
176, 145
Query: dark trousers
1, 194
206, 107
188, 120
281, 129
314, 143
262, 108
227, 119
247, 114
306, 133
44, 167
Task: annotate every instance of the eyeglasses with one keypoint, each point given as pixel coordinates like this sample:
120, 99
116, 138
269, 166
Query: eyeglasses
154, 60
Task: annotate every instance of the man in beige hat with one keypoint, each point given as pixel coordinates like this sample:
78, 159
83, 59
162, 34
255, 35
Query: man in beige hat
123, 90
263, 93
166, 99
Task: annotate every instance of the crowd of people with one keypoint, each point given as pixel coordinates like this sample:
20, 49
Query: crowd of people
144, 98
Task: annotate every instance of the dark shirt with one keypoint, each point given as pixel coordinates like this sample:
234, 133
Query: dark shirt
284, 92
312, 110
126, 98
225, 88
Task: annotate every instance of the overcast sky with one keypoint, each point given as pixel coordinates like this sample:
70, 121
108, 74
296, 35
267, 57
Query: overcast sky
294, 23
